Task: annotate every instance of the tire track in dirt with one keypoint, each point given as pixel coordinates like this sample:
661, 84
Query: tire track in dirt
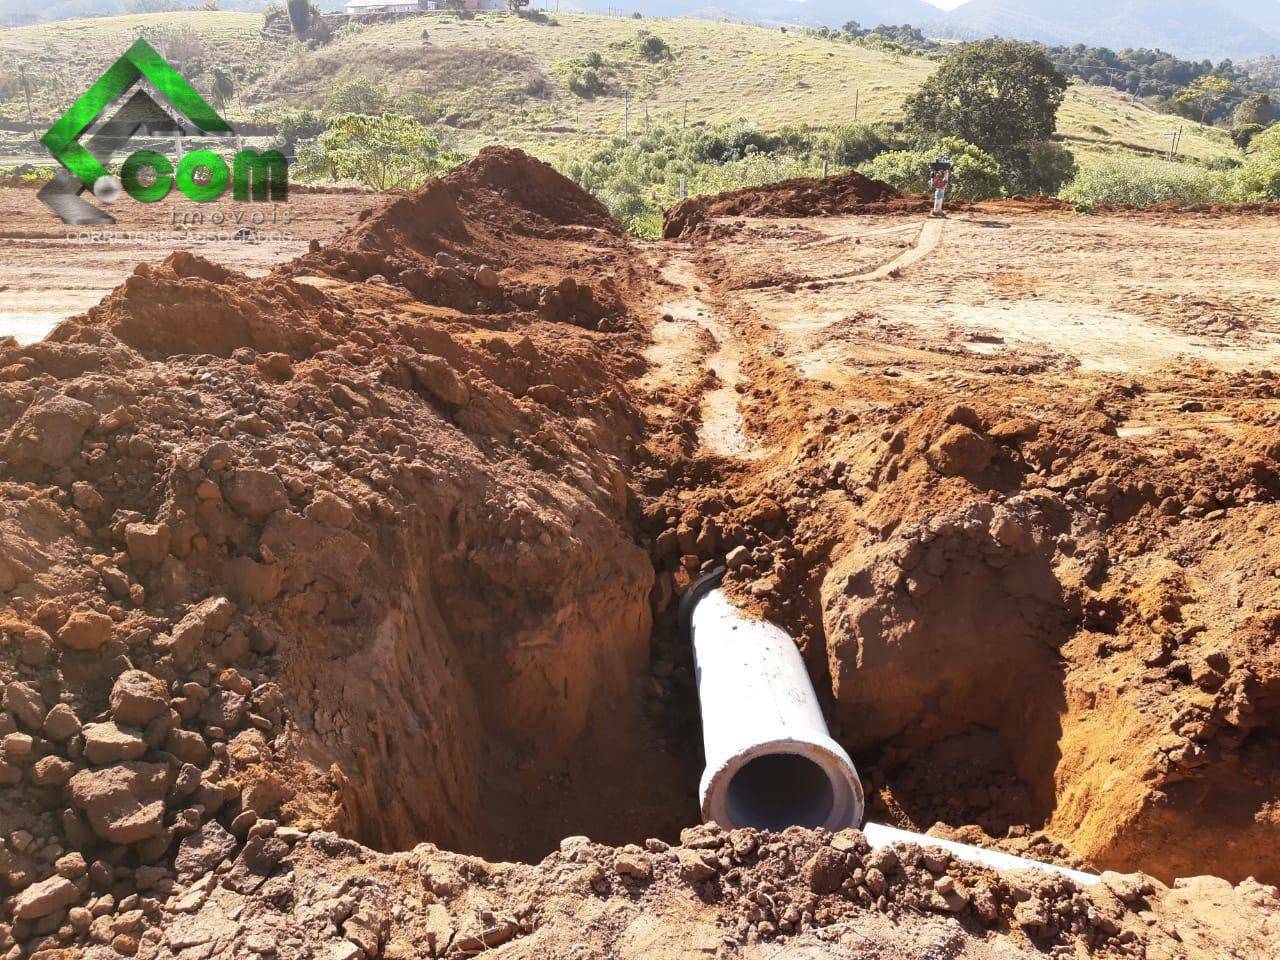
675, 345
927, 241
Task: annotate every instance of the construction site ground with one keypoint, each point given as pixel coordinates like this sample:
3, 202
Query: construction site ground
339, 578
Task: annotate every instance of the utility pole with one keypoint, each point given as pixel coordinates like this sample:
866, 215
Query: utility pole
857, 95
25, 81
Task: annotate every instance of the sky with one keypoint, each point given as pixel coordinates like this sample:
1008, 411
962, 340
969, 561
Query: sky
946, 4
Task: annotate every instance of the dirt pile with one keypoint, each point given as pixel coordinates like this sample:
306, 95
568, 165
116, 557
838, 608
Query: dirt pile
330, 550
716, 893
803, 197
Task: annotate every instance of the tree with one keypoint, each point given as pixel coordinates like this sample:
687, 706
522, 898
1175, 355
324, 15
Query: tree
1255, 109
996, 94
1205, 92
851, 144
456, 7
299, 15
357, 95
515, 6
223, 89
386, 152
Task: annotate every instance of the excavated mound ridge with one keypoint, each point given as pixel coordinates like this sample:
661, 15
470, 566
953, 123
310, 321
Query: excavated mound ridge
378, 552
801, 197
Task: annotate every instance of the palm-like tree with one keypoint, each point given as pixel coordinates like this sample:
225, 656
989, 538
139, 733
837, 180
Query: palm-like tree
223, 89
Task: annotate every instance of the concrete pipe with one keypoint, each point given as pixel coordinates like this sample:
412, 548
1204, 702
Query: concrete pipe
770, 762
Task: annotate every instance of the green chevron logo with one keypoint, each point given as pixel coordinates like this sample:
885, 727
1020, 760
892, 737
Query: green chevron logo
147, 175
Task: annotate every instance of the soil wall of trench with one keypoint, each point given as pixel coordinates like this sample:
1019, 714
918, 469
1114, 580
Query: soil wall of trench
1041, 658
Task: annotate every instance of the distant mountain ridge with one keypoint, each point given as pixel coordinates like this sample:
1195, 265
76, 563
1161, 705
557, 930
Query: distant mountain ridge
1199, 29
830, 13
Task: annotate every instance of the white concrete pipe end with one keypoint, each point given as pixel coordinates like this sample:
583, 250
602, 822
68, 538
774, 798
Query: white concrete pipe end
783, 783
771, 763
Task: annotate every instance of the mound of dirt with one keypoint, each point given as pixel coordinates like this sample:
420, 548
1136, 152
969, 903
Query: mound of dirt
802, 197
335, 547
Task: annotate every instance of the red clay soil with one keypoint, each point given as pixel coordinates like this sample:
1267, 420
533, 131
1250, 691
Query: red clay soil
802, 197
379, 552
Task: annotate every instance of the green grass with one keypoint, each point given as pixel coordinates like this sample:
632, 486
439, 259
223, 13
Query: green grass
498, 78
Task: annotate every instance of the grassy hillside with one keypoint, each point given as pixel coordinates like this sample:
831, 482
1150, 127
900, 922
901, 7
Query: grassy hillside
501, 78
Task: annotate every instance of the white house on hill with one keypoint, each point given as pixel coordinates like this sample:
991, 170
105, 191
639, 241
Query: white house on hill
364, 8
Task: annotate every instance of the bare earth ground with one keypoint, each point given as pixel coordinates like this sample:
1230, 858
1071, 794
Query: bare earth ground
379, 551
52, 271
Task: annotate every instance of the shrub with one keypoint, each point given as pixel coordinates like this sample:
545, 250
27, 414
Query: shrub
1259, 177
359, 95
652, 47
1243, 135
855, 143
294, 125
585, 82
1044, 168
1142, 182
1223, 163
975, 176
725, 143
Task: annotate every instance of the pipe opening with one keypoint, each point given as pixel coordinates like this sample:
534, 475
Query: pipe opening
778, 790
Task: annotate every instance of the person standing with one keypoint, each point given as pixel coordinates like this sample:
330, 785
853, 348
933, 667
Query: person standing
940, 179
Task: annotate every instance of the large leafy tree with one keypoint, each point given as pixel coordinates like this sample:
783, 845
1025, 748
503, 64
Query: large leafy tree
1204, 93
386, 152
1255, 109
999, 95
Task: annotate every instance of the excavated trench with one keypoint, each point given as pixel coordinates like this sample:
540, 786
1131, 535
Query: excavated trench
574, 711
505, 740
515, 674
